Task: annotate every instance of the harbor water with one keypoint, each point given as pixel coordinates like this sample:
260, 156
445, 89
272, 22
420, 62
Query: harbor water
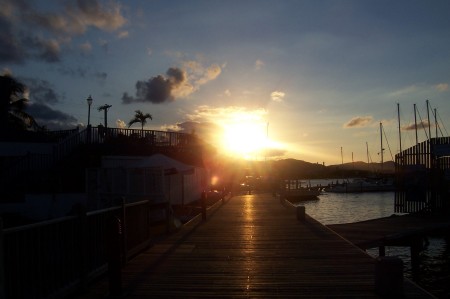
337, 208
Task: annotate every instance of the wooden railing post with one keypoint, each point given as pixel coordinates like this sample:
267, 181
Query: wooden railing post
124, 231
389, 276
83, 246
2, 264
203, 204
114, 261
301, 213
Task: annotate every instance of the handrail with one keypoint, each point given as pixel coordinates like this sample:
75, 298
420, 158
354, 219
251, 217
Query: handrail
58, 256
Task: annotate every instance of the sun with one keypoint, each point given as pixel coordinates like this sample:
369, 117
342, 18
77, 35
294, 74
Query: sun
245, 138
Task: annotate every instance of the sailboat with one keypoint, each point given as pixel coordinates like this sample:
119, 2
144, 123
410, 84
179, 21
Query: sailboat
294, 191
377, 183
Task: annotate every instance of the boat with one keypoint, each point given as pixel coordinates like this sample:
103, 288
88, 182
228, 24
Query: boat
363, 185
294, 191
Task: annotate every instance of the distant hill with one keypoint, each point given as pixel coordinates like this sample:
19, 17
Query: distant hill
291, 168
387, 167
298, 169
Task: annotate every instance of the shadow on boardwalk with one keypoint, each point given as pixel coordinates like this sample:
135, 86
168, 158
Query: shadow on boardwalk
250, 246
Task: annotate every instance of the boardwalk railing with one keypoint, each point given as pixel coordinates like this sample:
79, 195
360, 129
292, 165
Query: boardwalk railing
53, 258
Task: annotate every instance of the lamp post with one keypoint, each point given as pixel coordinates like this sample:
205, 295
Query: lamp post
89, 101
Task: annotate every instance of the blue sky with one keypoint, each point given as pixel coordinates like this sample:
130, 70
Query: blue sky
297, 79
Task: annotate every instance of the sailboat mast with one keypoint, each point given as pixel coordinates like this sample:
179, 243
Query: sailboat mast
367, 152
381, 138
415, 124
435, 122
399, 127
428, 116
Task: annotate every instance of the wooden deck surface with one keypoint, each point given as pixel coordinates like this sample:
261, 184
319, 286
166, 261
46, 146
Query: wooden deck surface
251, 246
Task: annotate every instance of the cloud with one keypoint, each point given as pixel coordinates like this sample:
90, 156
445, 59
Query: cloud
85, 47
274, 152
358, 122
101, 76
42, 96
51, 118
277, 96
123, 34
441, 87
204, 128
176, 83
208, 74
76, 19
75, 73
157, 89
226, 114
104, 44
31, 34
41, 91
420, 125
11, 49
404, 91
259, 64
121, 124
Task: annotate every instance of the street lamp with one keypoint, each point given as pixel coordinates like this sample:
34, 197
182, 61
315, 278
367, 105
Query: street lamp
89, 101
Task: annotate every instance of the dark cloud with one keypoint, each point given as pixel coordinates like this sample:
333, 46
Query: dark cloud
203, 129
30, 34
51, 118
158, 89
10, 47
42, 97
75, 73
41, 91
47, 50
101, 75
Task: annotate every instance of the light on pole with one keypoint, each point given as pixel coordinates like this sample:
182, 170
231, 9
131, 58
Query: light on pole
89, 101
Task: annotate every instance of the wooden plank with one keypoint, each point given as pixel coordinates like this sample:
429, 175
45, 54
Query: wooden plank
251, 246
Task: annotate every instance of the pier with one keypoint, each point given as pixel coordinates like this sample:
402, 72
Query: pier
252, 246
404, 231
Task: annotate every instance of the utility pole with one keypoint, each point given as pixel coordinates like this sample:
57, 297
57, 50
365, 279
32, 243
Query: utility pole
105, 109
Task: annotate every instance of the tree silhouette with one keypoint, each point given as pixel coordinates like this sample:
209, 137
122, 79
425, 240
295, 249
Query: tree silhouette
12, 105
140, 117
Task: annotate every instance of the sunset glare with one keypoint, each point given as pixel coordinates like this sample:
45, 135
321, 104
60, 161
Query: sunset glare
246, 139
320, 76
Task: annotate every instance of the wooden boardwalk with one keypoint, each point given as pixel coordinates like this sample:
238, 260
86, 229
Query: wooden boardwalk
251, 246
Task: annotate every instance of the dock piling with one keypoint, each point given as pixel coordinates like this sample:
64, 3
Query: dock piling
389, 276
301, 213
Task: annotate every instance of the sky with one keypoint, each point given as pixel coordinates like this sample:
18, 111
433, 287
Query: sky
259, 79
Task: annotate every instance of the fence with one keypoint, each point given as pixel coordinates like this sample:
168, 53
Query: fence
423, 177
54, 258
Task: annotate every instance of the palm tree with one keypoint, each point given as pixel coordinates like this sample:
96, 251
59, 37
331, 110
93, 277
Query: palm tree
140, 117
12, 105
